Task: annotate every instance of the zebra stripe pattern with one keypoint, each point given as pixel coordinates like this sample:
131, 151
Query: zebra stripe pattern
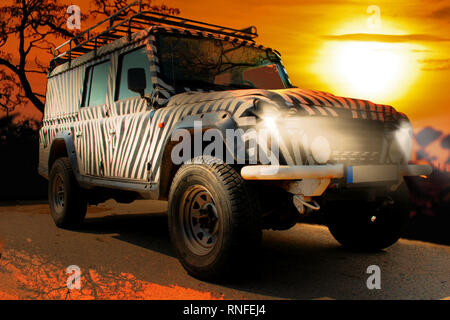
123, 139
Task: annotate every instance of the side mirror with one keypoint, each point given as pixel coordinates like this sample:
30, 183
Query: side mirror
137, 80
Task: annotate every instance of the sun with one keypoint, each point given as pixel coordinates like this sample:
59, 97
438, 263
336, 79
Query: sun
370, 70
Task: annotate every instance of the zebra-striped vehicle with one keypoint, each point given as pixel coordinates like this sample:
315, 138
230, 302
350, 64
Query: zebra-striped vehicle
121, 102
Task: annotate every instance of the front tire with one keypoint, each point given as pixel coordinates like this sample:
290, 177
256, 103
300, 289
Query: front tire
67, 200
359, 225
213, 219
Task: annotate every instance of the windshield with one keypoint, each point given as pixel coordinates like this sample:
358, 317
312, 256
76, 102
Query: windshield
216, 64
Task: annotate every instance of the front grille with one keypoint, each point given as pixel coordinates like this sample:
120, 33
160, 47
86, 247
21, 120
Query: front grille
352, 141
356, 142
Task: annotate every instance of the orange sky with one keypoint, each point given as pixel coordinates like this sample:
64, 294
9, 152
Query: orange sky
324, 44
305, 33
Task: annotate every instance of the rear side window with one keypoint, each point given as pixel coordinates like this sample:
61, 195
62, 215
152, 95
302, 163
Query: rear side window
134, 59
96, 84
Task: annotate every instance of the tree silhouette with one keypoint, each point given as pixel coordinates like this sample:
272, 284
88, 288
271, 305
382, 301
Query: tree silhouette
29, 29
19, 152
445, 143
424, 138
8, 99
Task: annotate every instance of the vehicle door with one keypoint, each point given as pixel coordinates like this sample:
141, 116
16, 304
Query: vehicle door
89, 130
129, 124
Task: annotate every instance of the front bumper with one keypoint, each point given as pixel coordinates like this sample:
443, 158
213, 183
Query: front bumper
352, 174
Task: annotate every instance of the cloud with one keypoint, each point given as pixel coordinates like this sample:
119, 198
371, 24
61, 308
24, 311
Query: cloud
420, 50
442, 13
385, 37
435, 64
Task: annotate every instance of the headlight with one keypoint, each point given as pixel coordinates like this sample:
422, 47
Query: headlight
270, 123
320, 149
269, 114
401, 145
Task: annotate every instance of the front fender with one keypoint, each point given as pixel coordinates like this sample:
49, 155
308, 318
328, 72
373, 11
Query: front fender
220, 120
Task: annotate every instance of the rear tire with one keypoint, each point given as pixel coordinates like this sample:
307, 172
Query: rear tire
213, 219
369, 226
67, 200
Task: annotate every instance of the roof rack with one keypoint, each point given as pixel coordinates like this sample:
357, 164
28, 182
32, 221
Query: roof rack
119, 27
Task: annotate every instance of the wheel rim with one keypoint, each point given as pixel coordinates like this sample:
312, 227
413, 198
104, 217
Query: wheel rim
199, 220
58, 192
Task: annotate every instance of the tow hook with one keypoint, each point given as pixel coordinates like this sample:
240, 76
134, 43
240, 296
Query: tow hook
301, 202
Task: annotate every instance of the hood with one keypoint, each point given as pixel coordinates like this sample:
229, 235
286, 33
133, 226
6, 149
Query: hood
301, 102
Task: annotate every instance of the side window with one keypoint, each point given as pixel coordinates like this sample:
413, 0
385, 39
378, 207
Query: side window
96, 84
134, 59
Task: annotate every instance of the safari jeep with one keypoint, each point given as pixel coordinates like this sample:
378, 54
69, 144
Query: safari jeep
159, 107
